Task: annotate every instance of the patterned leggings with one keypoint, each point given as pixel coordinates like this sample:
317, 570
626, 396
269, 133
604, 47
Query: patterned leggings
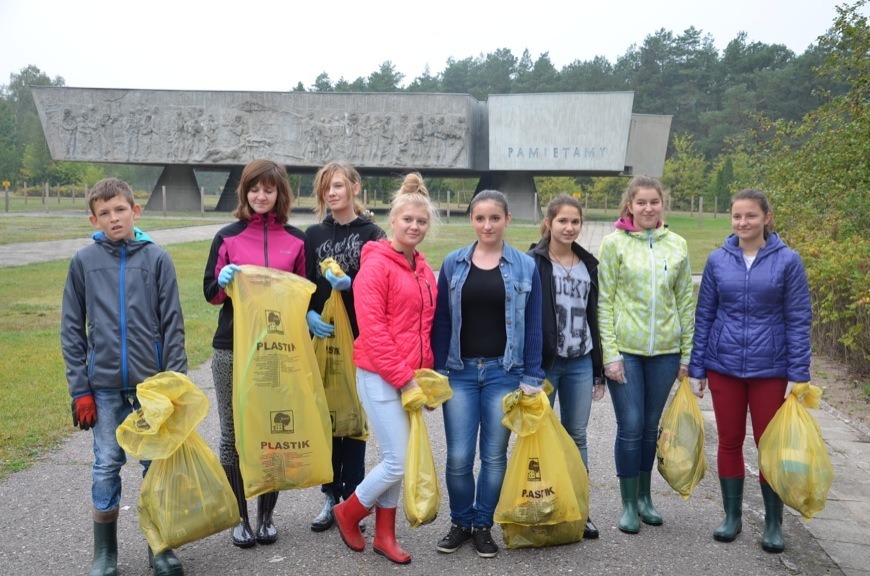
222, 375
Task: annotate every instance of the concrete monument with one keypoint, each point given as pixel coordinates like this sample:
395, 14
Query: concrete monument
505, 141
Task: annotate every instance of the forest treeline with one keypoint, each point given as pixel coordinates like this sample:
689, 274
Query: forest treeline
753, 115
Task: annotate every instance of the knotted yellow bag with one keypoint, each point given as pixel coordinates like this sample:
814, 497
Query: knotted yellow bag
544, 498
422, 495
185, 495
337, 371
792, 453
680, 446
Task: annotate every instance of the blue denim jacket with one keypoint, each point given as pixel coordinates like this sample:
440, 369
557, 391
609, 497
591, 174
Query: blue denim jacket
522, 313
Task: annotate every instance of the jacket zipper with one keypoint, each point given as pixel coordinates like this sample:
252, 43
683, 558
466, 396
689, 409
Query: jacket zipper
652, 322
123, 315
745, 311
266, 241
422, 306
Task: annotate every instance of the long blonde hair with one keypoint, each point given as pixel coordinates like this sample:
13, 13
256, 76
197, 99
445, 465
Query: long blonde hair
323, 180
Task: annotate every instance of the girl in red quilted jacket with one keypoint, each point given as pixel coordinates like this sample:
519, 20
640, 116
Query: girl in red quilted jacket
395, 304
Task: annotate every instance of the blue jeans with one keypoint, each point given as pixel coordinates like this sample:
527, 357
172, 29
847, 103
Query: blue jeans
638, 405
476, 405
572, 380
391, 425
113, 406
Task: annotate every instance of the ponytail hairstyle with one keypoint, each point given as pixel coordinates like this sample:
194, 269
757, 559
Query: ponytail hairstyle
638, 182
414, 191
553, 207
323, 180
268, 173
759, 198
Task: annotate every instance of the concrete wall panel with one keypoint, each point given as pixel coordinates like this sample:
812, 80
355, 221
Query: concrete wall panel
299, 129
561, 132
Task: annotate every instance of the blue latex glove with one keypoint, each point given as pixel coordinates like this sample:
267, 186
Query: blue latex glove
317, 326
226, 275
337, 282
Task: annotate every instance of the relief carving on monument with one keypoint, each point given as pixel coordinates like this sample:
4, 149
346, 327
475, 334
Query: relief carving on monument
106, 126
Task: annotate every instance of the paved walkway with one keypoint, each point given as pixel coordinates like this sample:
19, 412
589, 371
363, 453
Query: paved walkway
46, 526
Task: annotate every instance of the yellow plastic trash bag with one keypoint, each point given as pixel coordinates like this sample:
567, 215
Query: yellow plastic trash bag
283, 431
422, 497
680, 446
337, 371
435, 386
171, 408
544, 498
792, 453
186, 497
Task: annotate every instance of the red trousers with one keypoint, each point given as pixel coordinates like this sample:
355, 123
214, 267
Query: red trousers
731, 397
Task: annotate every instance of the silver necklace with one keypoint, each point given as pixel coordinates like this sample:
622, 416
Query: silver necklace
566, 269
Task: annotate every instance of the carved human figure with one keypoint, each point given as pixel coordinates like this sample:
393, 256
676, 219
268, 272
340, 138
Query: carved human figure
70, 125
131, 132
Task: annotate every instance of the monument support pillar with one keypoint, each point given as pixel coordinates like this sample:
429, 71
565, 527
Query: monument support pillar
182, 190
229, 200
519, 187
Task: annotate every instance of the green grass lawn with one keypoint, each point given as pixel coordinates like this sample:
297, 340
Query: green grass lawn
34, 400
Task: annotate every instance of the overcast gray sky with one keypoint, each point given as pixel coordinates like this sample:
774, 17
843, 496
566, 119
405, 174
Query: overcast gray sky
273, 45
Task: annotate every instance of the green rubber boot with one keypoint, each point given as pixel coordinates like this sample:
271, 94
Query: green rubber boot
772, 540
648, 512
732, 501
165, 564
629, 522
105, 543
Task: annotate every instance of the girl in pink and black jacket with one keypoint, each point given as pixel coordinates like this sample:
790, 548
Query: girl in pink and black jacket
395, 294
261, 237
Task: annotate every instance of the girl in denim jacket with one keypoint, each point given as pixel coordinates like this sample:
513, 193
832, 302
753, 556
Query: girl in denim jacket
487, 337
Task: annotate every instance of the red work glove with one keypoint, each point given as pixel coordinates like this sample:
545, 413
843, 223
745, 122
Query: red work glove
84, 412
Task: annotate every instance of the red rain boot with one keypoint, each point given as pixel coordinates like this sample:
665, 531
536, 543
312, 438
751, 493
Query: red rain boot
348, 515
385, 536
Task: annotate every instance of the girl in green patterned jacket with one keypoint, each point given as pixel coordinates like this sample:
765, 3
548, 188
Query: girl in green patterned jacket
645, 315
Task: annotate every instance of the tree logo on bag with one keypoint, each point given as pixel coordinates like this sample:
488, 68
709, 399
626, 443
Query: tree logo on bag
282, 422
534, 473
273, 319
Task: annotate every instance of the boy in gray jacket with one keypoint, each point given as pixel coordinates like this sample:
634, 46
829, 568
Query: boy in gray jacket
121, 323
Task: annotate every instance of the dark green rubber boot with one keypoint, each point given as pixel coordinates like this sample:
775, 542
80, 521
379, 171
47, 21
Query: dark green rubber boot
165, 564
105, 543
648, 512
732, 501
772, 540
629, 523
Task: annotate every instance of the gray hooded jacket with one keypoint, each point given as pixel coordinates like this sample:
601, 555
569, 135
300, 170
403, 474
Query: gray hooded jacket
121, 319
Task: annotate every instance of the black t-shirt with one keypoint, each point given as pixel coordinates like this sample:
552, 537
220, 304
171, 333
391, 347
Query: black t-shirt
483, 332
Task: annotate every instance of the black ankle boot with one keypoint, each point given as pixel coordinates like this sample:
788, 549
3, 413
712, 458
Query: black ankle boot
242, 535
165, 564
326, 518
105, 543
266, 531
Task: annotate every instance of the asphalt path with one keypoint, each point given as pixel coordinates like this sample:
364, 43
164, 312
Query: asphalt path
45, 513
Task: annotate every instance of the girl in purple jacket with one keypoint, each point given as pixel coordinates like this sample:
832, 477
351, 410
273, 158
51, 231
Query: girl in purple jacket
752, 344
